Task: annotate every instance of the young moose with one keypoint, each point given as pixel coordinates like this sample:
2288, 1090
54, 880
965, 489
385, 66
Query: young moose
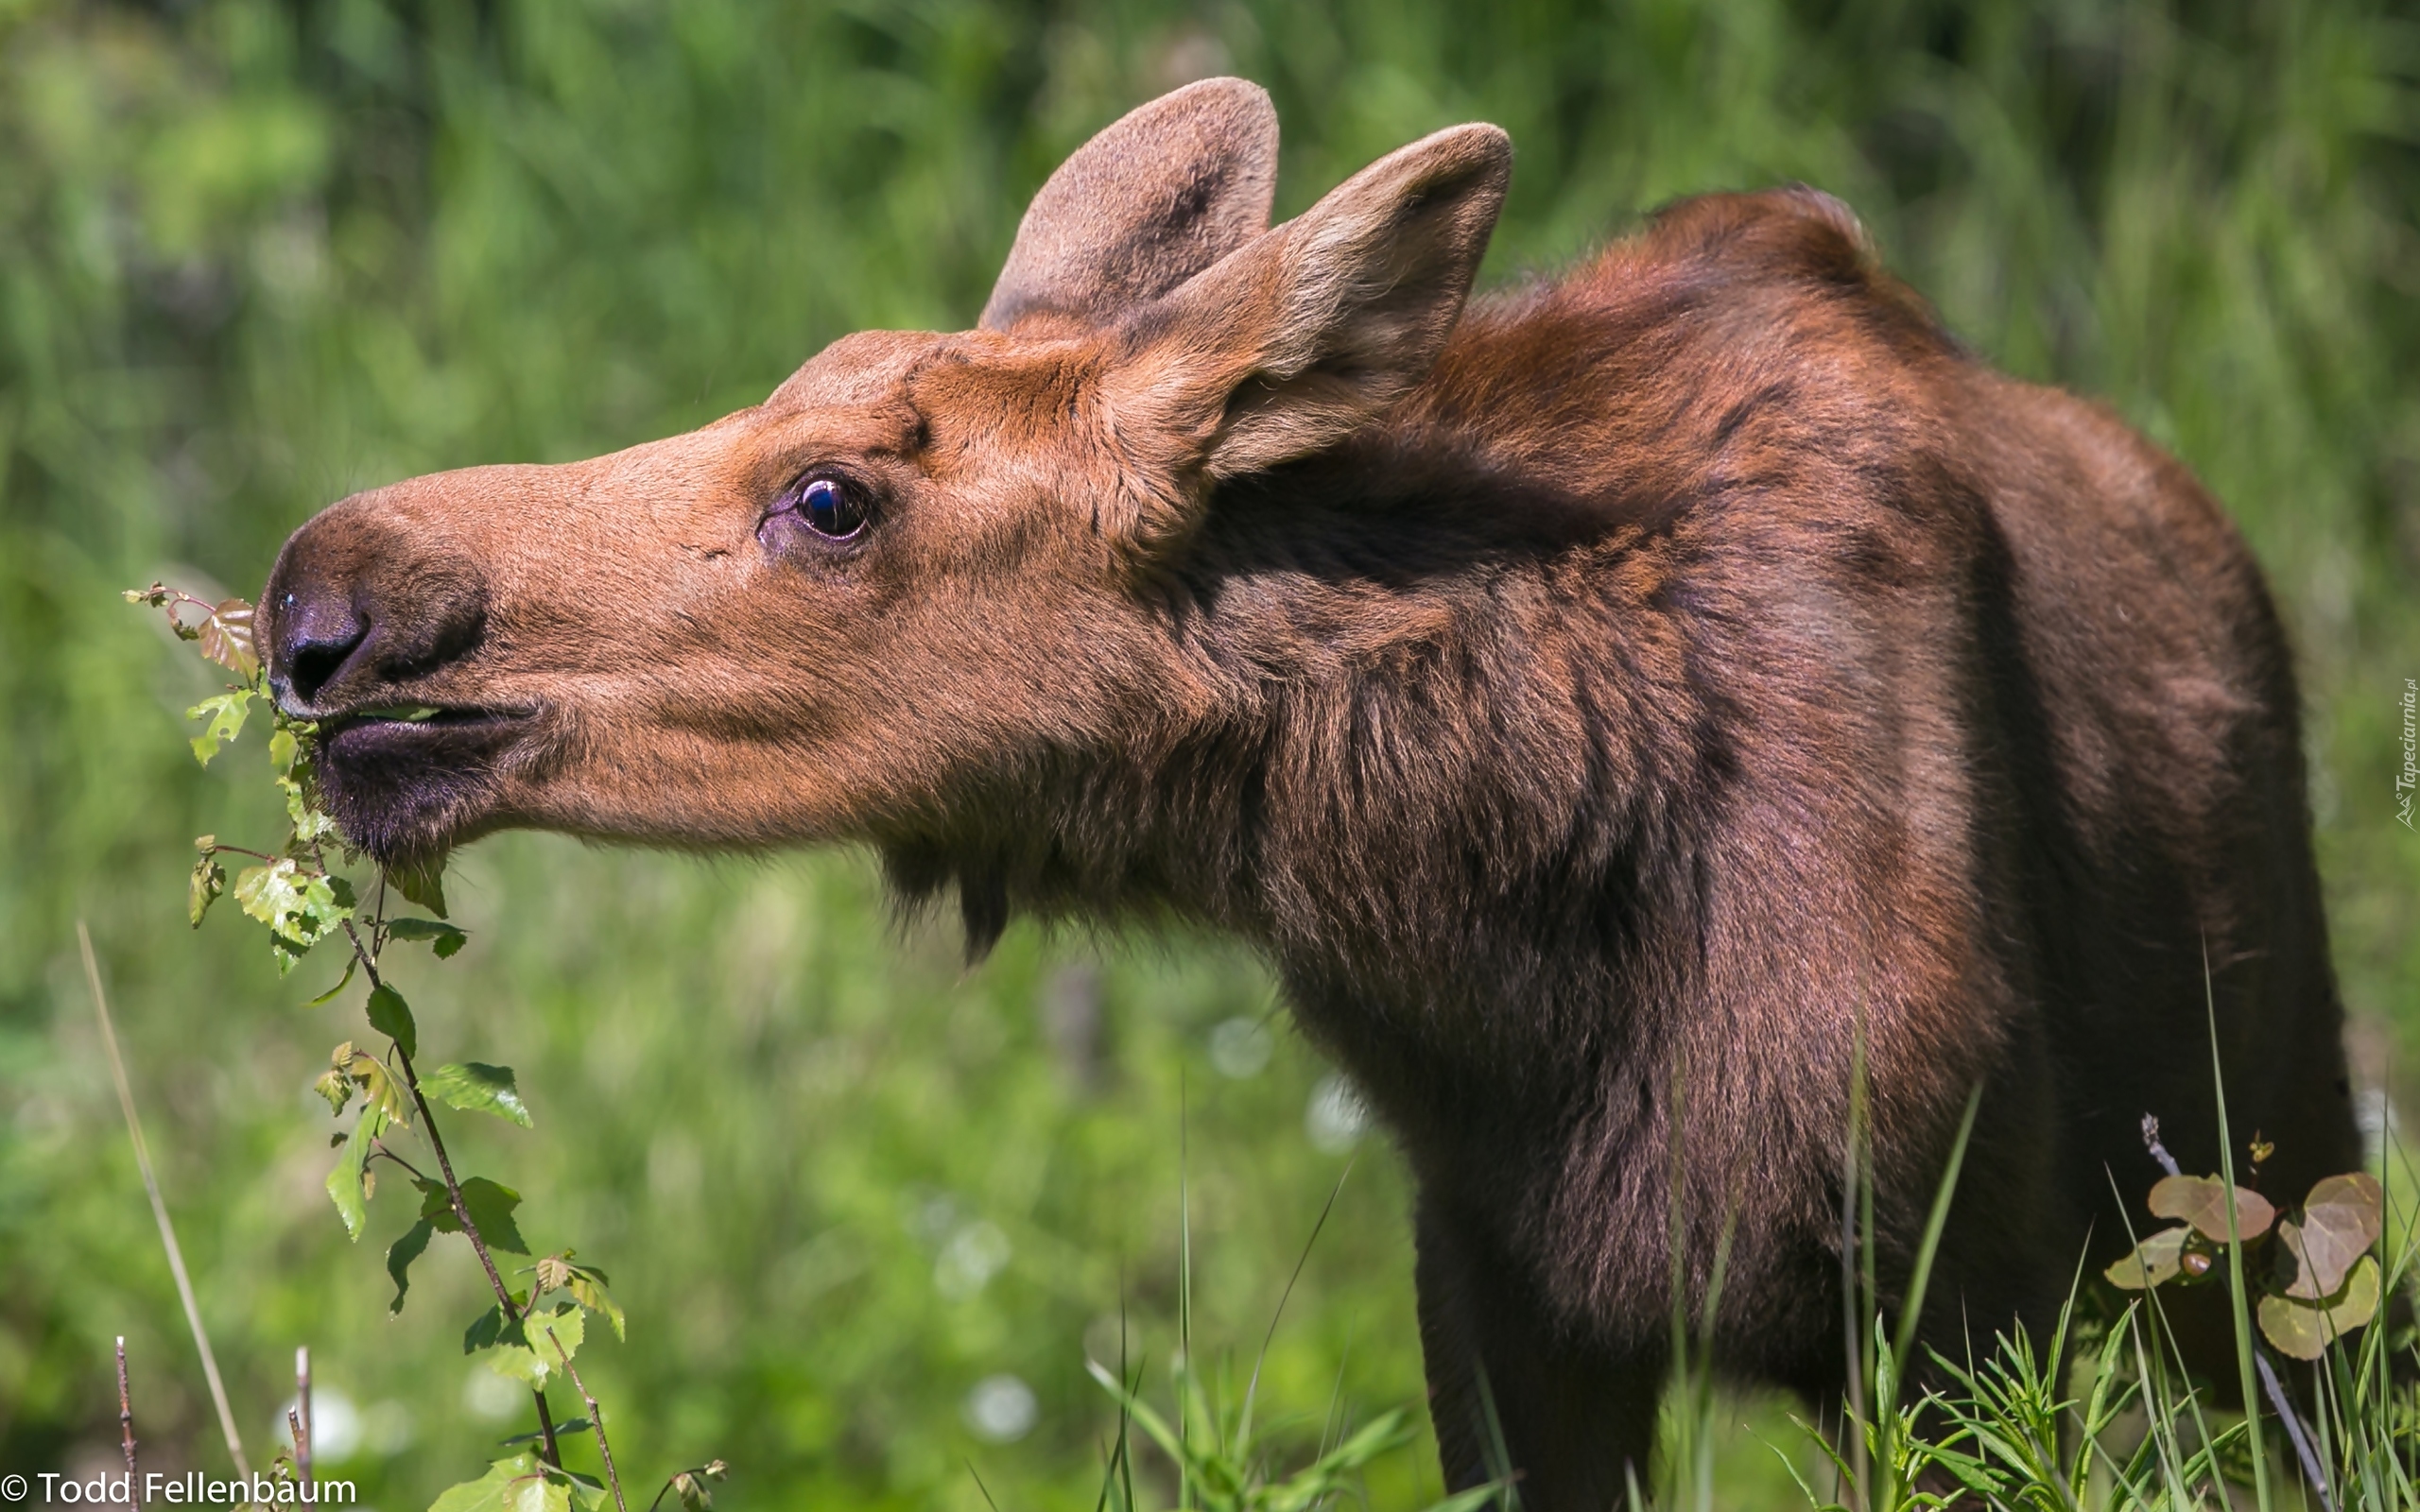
1608, 706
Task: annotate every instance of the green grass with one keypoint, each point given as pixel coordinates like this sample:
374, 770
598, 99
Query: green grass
253, 257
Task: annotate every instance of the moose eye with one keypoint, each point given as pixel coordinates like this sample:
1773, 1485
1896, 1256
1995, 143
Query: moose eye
817, 508
830, 508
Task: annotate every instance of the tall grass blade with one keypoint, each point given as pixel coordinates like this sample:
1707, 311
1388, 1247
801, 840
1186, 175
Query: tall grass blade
1911, 1307
1252, 1388
159, 1208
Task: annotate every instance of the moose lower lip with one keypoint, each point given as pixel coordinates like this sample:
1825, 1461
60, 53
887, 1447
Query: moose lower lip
416, 715
421, 732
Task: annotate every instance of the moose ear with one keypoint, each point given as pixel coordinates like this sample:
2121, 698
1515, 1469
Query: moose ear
1294, 340
1158, 196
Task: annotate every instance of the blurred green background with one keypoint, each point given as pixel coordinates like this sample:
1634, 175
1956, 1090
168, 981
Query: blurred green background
870, 1208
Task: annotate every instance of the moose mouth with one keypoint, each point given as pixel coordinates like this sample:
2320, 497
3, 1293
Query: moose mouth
404, 780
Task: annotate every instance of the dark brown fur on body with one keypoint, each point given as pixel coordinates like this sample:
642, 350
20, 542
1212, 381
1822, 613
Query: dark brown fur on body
1708, 655
1697, 667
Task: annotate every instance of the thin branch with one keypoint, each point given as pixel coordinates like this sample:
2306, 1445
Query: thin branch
124, 1409
221, 848
595, 1425
378, 1150
712, 1469
454, 1188
2276, 1393
2159, 1151
159, 1208
302, 1415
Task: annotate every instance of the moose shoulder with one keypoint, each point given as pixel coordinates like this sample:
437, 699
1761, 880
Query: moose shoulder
1618, 708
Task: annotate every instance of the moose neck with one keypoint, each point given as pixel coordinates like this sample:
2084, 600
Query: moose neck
1440, 781
1465, 834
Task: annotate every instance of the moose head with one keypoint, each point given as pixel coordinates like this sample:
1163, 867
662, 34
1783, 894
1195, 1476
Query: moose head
925, 568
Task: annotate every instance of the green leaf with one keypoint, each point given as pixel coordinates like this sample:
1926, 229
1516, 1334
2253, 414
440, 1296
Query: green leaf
557, 1335
350, 963
489, 1330
584, 1284
520, 1362
477, 1088
520, 1483
346, 1183
490, 1208
554, 1338
2340, 1220
569, 1425
2202, 1201
2305, 1329
336, 1088
311, 822
321, 911
300, 907
2157, 1258
587, 1288
444, 938
400, 1256
421, 882
209, 881
379, 1086
392, 1017
225, 715
269, 892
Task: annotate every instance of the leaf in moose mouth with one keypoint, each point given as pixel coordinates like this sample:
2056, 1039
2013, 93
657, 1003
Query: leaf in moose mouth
2340, 1220
2202, 1201
2157, 1258
2305, 1329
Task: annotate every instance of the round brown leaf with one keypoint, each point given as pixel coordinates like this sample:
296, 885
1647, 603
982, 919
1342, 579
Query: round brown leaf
2202, 1201
2158, 1258
2304, 1330
2340, 1220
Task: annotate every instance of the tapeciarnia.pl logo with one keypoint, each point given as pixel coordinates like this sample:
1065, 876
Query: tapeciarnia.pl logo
2408, 779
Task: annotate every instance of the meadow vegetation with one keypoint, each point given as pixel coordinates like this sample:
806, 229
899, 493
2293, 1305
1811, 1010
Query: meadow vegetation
869, 1211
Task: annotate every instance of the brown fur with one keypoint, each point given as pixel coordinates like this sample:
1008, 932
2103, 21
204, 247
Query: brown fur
1605, 711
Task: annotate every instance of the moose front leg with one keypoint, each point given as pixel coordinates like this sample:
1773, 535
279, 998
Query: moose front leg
1508, 1393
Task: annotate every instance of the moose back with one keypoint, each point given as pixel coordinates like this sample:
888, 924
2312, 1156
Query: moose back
1620, 708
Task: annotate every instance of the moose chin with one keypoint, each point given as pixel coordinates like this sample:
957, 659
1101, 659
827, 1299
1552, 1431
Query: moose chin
1625, 710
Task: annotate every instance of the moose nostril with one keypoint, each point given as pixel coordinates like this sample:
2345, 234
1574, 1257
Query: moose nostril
316, 635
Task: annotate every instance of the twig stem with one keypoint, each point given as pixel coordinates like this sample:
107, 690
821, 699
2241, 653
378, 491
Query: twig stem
454, 1195
302, 1412
2286, 1414
597, 1426
124, 1409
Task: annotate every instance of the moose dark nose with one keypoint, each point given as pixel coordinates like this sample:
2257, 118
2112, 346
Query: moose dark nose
356, 608
317, 631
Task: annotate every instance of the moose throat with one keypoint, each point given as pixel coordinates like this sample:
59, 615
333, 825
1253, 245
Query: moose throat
1620, 709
